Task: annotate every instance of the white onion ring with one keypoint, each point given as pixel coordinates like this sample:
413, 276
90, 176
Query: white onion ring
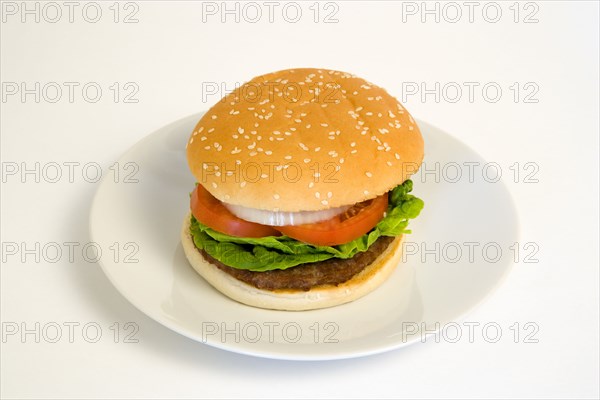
283, 218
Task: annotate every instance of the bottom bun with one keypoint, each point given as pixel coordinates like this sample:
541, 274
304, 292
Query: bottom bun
322, 296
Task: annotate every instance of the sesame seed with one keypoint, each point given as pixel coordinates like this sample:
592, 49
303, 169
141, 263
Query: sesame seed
203, 138
211, 130
253, 153
389, 163
214, 117
354, 151
329, 194
341, 160
242, 184
303, 146
366, 192
324, 125
317, 148
368, 174
288, 157
264, 176
191, 140
268, 152
311, 184
276, 196
241, 130
369, 113
324, 202
306, 160
317, 195
206, 147
383, 131
214, 185
397, 156
391, 114
276, 133
235, 150
352, 144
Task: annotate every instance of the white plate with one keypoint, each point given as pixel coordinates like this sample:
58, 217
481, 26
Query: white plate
428, 290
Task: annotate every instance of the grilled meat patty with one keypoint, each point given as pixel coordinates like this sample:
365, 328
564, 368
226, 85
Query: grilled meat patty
306, 276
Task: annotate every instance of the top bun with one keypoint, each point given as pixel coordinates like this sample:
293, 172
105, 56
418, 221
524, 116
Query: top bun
302, 140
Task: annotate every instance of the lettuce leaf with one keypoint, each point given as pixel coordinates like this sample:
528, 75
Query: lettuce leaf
282, 252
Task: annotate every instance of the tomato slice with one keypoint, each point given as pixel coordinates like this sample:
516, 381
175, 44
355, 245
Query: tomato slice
212, 213
352, 224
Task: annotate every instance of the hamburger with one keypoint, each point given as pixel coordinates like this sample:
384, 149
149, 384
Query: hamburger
302, 194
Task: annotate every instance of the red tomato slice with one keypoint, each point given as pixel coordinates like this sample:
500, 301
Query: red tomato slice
343, 228
211, 212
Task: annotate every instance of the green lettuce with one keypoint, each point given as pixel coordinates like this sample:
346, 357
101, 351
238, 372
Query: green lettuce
281, 252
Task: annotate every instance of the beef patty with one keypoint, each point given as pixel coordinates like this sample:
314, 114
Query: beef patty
306, 276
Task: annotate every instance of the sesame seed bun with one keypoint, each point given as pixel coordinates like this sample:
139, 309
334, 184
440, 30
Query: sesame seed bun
304, 140
294, 300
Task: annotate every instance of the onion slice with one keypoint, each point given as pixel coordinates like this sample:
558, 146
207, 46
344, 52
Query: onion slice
283, 218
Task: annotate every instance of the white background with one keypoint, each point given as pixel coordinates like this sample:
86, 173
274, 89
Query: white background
171, 54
